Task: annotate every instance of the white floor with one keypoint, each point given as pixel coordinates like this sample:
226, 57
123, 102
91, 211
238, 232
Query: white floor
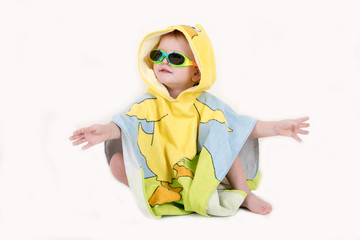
68, 64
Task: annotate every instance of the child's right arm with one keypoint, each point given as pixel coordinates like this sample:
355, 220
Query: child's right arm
95, 134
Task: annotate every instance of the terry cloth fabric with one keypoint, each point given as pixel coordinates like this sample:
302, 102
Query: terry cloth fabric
178, 151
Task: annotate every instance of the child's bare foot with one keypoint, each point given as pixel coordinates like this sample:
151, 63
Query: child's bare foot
256, 204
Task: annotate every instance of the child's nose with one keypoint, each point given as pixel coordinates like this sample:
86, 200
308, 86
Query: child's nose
165, 61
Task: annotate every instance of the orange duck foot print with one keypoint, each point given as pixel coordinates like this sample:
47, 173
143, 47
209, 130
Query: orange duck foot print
183, 171
163, 194
167, 186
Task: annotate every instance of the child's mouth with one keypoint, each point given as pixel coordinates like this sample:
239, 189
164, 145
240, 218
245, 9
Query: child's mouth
163, 70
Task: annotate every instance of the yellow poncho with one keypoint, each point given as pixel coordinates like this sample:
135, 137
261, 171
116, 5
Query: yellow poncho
177, 151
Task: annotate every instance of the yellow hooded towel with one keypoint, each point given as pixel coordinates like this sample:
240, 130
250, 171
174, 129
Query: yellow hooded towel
177, 152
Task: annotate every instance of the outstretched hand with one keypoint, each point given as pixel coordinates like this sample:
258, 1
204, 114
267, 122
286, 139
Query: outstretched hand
91, 135
292, 127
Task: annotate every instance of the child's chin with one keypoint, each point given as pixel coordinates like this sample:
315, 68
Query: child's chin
164, 81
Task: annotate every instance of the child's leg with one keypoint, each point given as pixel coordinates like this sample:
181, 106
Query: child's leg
237, 179
117, 168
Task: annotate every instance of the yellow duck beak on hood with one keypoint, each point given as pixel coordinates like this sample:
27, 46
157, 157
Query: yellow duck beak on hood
204, 56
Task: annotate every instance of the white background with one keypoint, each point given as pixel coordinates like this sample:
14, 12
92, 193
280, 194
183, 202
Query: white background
68, 64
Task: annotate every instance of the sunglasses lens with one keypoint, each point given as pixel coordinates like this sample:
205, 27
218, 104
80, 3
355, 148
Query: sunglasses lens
155, 55
176, 59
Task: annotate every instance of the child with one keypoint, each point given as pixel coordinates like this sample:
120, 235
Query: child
177, 146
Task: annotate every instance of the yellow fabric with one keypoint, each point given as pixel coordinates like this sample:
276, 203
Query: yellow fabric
171, 142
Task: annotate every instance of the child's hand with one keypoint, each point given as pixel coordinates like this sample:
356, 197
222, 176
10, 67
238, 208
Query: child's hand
292, 127
92, 135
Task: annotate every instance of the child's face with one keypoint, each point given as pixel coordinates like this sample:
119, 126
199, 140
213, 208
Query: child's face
176, 79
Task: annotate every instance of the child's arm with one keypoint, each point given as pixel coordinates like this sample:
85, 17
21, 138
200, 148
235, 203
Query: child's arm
289, 128
95, 134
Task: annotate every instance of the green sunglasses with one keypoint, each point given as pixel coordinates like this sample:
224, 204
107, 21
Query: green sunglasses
175, 59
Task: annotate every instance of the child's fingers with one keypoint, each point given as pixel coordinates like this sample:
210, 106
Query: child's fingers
303, 131
92, 128
296, 137
303, 125
80, 141
80, 133
87, 146
77, 133
303, 119
75, 137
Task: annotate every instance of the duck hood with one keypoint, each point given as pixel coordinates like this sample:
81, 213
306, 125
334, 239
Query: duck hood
204, 56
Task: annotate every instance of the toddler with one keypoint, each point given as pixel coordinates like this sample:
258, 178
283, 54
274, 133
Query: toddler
179, 148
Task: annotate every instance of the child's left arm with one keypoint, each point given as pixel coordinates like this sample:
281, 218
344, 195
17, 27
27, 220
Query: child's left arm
289, 128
